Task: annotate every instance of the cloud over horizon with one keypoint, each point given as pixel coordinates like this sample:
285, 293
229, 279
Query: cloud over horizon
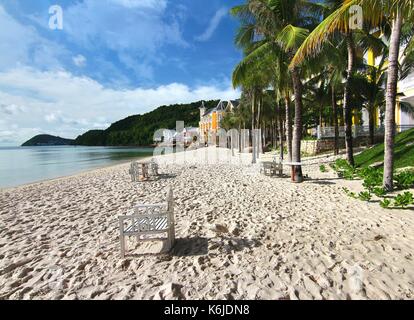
62, 104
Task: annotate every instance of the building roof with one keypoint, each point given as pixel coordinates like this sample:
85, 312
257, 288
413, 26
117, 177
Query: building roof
235, 103
221, 106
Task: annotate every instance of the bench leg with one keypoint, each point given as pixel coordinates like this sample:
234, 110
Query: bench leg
122, 247
122, 239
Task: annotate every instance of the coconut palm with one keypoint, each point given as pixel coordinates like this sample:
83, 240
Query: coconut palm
280, 26
395, 12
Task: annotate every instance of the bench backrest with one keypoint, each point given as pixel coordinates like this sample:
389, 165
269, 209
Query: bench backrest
148, 218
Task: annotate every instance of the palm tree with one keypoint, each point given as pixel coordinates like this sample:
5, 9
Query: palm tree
282, 26
374, 93
395, 12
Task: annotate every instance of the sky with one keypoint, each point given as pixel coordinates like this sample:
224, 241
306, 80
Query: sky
73, 65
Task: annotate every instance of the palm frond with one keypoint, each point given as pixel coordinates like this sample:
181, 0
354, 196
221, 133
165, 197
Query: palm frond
407, 108
292, 37
249, 63
338, 21
245, 36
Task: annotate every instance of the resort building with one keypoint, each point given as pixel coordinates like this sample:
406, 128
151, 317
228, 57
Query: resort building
210, 119
407, 88
404, 119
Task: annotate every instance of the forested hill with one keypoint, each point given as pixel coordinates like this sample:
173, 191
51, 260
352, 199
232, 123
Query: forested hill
139, 130
47, 140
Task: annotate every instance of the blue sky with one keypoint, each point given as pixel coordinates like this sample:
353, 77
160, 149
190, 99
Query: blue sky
113, 58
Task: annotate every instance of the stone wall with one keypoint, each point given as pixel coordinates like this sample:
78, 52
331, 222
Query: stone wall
315, 147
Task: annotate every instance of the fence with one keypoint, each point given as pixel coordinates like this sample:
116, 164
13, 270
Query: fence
357, 131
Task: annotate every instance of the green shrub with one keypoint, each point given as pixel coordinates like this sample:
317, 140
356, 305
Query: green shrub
350, 193
344, 169
372, 177
379, 191
364, 196
322, 168
386, 203
404, 200
404, 180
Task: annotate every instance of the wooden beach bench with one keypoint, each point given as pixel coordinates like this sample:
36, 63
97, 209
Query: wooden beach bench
150, 222
142, 171
271, 168
154, 168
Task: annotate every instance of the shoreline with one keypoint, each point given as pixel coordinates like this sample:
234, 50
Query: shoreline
79, 173
265, 156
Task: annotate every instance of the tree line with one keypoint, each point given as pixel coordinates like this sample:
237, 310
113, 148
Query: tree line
303, 65
138, 130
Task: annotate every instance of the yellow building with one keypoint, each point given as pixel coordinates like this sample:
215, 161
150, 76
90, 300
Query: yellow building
210, 119
406, 87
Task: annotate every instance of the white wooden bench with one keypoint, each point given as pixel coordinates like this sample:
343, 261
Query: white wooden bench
271, 169
154, 168
150, 222
142, 171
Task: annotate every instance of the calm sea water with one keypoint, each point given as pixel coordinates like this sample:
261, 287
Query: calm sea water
22, 165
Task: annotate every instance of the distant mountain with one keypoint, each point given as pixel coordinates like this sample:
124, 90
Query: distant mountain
138, 130
47, 140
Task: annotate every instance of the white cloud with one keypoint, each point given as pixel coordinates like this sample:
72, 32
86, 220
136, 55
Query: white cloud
22, 45
79, 60
11, 109
214, 23
131, 28
60, 103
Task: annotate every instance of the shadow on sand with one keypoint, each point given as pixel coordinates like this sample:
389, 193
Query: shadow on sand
185, 247
199, 246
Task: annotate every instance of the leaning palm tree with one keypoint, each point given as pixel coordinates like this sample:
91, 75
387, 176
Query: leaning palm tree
395, 12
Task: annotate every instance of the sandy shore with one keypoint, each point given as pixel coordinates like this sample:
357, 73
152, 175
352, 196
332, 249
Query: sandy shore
240, 235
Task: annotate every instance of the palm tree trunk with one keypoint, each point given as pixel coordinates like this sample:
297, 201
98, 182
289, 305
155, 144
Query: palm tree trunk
259, 109
390, 102
281, 146
335, 121
240, 139
259, 140
297, 132
341, 117
288, 124
347, 97
320, 115
253, 135
371, 111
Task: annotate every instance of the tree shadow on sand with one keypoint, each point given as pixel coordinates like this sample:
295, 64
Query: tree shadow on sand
199, 246
166, 176
321, 182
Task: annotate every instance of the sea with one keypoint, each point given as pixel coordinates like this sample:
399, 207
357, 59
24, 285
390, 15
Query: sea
24, 165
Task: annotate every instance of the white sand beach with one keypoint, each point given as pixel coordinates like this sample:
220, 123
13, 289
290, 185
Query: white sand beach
240, 235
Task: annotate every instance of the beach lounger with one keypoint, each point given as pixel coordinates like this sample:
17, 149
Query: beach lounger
150, 222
